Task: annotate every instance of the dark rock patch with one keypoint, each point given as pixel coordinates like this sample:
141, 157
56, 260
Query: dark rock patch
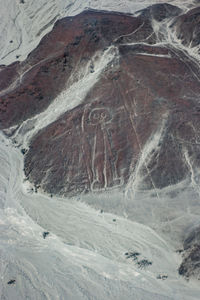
190, 267
96, 146
12, 281
159, 12
187, 27
45, 234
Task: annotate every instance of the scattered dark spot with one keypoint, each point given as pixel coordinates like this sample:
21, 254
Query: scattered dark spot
23, 151
91, 68
179, 251
45, 233
182, 270
101, 211
115, 77
36, 188
12, 281
40, 97
11, 41
17, 56
163, 277
114, 220
66, 54
141, 263
77, 41
133, 255
44, 69
144, 263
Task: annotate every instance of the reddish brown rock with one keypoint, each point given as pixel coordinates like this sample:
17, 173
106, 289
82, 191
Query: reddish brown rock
147, 94
8, 74
160, 11
187, 27
98, 144
28, 88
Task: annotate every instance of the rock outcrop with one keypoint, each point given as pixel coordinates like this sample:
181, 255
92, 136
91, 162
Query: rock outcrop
160, 12
98, 144
190, 266
27, 88
187, 28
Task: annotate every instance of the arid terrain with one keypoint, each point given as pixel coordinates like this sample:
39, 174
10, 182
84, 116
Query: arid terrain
101, 122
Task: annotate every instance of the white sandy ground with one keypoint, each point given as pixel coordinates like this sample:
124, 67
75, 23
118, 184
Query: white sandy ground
83, 257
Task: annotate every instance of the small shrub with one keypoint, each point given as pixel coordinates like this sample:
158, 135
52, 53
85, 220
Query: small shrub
144, 263
12, 281
163, 277
133, 255
45, 233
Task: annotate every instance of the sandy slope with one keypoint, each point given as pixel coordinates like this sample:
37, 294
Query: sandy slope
84, 255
